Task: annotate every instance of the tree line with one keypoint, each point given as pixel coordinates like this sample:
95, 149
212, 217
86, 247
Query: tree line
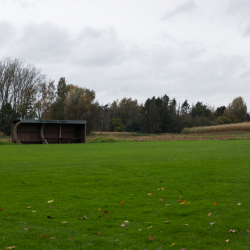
27, 93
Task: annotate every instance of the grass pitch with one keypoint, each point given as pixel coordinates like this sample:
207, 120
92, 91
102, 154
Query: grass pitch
114, 195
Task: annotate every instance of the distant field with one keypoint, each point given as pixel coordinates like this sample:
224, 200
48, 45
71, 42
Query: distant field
245, 126
138, 137
120, 195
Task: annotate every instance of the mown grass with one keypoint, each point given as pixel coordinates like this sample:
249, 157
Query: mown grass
245, 126
89, 179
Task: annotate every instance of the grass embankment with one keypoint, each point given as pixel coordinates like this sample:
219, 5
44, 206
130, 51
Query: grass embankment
43, 186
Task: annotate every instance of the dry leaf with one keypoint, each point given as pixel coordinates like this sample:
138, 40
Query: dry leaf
159, 248
1, 209
215, 203
123, 225
84, 218
122, 202
105, 212
70, 239
25, 228
64, 222
232, 231
152, 237
126, 221
33, 211
183, 248
161, 188
239, 204
50, 201
161, 199
185, 224
149, 227
167, 222
211, 223
12, 247
172, 244
247, 231
42, 235
183, 202
29, 207
227, 240
99, 209
139, 229
149, 194
209, 214
53, 237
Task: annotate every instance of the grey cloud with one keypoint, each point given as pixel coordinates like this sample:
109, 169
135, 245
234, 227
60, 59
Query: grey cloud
7, 33
92, 47
240, 10
246, 31
182, 8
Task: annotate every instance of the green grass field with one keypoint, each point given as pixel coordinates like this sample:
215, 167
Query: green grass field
108, 184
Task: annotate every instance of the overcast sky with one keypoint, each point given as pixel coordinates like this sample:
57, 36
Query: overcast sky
194, 50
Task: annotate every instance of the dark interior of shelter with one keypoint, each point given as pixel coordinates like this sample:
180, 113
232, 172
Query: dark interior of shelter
48, 131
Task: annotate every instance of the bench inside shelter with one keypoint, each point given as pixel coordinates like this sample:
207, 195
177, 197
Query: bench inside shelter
27, 131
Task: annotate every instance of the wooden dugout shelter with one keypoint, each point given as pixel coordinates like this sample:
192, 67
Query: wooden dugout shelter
27, 131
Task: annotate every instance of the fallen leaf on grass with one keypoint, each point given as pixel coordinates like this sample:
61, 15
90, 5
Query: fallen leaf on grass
149, 194
12, 247
161, 188
232, 231
152, 237
239, 204
42, 235
211, 223
1, 209
50, 201
33, 211
99, 209
149, 227
139, 229
215, 203
159, 248
64, 222
96, 233
167, 222
105, 212
248, 231
53, 237
49, 217
123, 225
185, 224
227, 240
70, 239
161, 199
183, 248
172, 244
25, 228
84, 218
126, 221
122, 202
183, 202
29, 207
209, 214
